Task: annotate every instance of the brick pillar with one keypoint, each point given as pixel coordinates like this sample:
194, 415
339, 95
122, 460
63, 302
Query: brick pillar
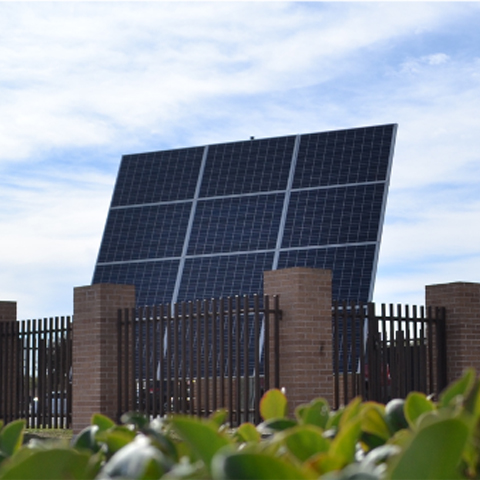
305, 296
8, 311
9, 395
462, 310
94, 388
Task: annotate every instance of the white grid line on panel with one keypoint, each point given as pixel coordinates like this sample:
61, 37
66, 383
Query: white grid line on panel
250, 194
338, 152
286, 202
242, 252
154, 204
189, 227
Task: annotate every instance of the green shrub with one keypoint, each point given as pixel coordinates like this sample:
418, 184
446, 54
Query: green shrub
415, 438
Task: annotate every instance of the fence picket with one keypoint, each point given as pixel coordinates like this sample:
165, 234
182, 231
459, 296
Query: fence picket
35, 372
210, 358
398, 355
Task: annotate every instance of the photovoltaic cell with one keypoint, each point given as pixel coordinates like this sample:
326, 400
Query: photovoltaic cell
333, 216
343, 157
154, 281
153, 231
157, 177
206, 222
236, 224
248, 167
205, 277
351, 267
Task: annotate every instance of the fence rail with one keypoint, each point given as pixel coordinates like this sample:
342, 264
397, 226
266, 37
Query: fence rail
387, 354
197, 357
36, 372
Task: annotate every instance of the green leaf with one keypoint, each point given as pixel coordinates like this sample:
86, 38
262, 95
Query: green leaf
139, 420
247, 432
380, 454
305, 441
344, 444
200, 436
461, 387
325, 462
11, 437
256, 466
116, 438
157, 433
352, 410
137, 460
395, 415
55, 463
334, 419
187, 471
163, 443
355, 471
373, 422
314, 413
273, 404
102, 422
472, 402
402, 438
416, 404
434, 452
276, 425
86, 440
370, 441
218, 418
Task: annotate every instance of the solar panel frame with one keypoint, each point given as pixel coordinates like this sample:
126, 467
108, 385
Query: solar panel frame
315, 200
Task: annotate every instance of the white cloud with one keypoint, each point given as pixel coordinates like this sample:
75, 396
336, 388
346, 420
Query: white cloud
437, 58
82, 83
80, 72
418, 65
50, 238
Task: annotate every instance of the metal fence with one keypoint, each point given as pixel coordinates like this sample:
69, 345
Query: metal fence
387, 354
36, 372
198, 357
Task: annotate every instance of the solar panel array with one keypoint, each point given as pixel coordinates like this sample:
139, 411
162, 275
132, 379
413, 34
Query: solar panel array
206, 222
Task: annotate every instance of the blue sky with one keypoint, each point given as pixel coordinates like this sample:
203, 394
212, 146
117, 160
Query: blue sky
83, 83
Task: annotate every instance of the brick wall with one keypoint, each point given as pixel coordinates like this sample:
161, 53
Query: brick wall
305, 368
94, 388
462, 308
9, 398
8, 311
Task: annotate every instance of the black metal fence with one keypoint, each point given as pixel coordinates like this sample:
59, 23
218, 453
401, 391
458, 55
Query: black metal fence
387, 354
197, 357
36, 372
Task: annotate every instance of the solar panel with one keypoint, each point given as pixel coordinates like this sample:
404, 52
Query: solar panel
204, 222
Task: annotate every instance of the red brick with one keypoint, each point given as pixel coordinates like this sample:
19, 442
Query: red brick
305, 299
462, 310
8, 311
95, 350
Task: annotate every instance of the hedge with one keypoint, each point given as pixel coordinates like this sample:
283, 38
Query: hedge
415, 438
